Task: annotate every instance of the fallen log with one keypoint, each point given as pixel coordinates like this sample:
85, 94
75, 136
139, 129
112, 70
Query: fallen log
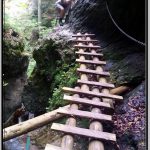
30, 125
119, 90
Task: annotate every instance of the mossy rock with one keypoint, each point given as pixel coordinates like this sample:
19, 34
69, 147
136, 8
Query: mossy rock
52, 54
15, 62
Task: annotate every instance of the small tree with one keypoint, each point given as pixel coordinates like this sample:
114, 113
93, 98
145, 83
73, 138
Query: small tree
39, 14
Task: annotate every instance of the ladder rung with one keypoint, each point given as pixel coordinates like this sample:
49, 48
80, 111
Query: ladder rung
85, 40
89, 54
91, 62
71, 90
107, 85
83, 35
86, 46
52, 147
86, 101
84, 132
85, 114
93, 72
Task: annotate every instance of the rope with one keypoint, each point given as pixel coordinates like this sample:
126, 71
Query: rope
135, 40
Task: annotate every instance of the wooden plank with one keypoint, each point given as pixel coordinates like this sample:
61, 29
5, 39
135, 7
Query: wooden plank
85, 40
89, 71
84, 132
52, 147
86, 46
86, 101
107, 85
85, 114
83, 35
89, 54
91, 62
89, 93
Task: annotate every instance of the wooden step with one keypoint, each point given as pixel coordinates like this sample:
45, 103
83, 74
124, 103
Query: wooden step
86, 46
84, 132
86, 102
52, 147
83, 35
91, 62
93, 83
94, 94
85, 40
88, 54
85, 114
89, 71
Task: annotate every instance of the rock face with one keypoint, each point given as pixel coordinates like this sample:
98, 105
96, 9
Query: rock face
49, 54
128, 75
92, 15
126, 57
15, 64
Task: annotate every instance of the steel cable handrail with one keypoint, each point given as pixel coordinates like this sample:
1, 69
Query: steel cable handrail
130, 37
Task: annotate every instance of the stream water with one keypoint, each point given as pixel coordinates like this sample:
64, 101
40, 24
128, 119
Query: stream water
13, 144
22, 142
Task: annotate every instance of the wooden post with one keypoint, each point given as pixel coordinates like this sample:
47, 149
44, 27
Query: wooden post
96, 125
67, 140
119, 90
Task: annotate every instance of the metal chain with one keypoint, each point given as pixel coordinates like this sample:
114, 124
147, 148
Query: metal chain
135, 40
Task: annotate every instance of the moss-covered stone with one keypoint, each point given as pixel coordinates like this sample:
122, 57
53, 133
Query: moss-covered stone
54, 57
15, 62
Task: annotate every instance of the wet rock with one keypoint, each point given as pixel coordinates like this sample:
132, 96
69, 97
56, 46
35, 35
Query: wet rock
126, 57
92, 15
129, 70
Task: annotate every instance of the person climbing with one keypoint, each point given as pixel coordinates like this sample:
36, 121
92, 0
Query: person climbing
62, 6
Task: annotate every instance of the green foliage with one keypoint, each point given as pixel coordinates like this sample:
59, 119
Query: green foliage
5, 83
31, 66
84, 123
65, 76
44, 31
24, 26
53, 23
61, 120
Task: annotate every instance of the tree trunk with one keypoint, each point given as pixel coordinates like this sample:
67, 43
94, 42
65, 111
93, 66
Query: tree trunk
39, 11
39, 15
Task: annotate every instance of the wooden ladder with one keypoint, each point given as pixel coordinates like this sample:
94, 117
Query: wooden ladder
92, 90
